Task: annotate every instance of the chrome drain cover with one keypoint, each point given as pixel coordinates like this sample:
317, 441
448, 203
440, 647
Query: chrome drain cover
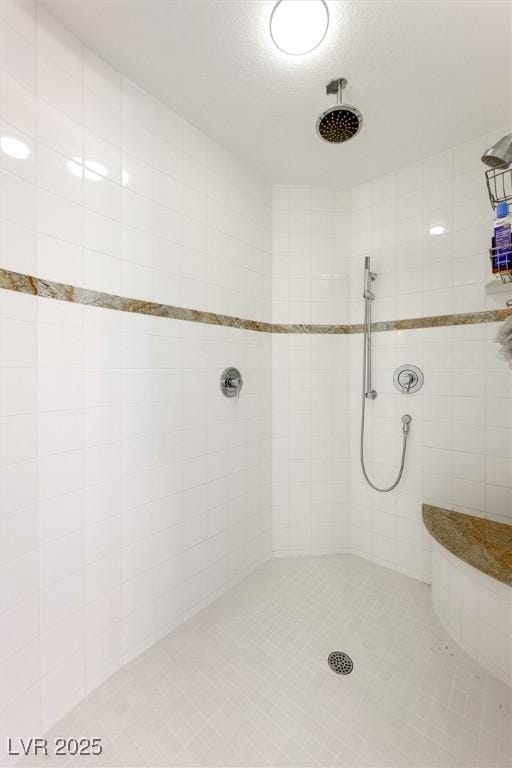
340, 662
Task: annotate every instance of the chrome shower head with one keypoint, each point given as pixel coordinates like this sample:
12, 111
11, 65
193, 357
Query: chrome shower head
499, 156
340, 122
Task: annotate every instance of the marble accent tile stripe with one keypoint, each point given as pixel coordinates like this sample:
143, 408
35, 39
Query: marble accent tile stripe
437, 321
36, 286
310, 328
434, 321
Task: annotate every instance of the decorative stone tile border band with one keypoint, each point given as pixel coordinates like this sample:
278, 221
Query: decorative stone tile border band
36, 286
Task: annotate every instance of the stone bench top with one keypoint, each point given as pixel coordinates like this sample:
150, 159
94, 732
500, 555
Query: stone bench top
482, 543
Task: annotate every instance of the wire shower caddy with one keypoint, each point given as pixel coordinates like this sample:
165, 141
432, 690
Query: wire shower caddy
499, 188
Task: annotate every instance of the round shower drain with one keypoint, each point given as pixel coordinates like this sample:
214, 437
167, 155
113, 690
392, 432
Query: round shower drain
340, 662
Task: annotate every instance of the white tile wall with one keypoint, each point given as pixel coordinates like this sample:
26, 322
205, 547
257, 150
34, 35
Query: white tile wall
117, 192
310, 455
460, 441
310, 429
420, 273
311, 255
132, 492
459, 445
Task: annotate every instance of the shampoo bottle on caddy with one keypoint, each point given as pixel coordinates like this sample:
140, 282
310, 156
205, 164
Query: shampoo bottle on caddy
502, 241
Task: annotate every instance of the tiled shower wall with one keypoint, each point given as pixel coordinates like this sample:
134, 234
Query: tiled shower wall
422, 274
311, 423
132, 492
310, 444
160, 212
310, 255
460, 440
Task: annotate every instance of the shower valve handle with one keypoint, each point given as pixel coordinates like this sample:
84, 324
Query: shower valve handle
408, 379
231, 382
409, 383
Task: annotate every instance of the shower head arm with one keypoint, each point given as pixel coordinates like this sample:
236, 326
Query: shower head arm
336, 87
341, 121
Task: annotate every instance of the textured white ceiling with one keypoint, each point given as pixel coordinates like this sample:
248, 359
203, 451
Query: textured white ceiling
427, 74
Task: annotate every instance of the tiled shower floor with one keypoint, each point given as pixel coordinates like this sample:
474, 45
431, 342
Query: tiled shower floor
246, 683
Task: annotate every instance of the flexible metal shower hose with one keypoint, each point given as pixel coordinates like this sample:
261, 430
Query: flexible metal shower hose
405, 431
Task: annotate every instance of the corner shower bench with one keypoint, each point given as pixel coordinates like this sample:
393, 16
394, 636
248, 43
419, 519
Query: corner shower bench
471, 584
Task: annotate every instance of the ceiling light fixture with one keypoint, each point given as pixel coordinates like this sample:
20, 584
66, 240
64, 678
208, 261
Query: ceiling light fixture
14, 147
299, 26
437, 230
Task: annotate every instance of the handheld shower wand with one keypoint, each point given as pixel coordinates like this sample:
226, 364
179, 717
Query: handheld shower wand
368, 392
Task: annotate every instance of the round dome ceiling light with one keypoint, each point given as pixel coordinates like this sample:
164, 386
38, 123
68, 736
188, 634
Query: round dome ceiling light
299, 26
